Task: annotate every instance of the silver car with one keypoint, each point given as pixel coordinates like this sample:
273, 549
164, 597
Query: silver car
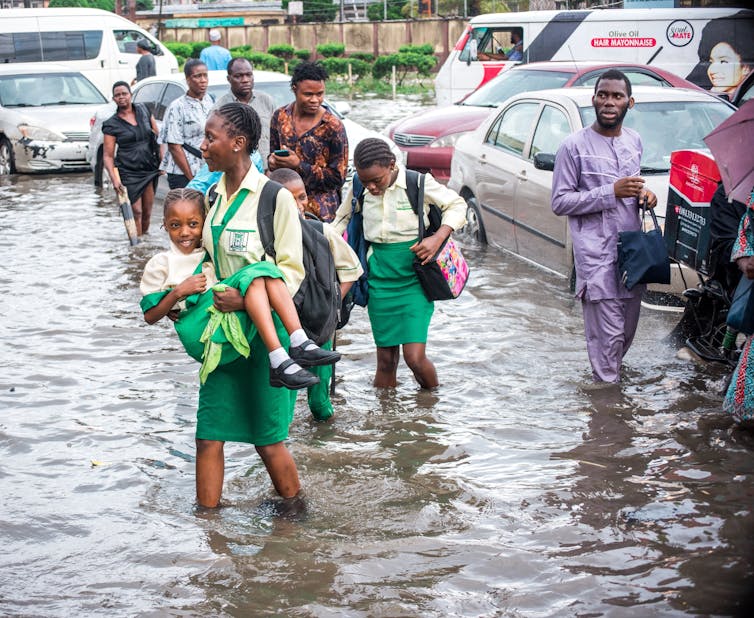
504, 168
44, 119
158, 92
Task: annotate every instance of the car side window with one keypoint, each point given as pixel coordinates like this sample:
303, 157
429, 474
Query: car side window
551, 130
492, 133
149, 95
172, 92
515, 126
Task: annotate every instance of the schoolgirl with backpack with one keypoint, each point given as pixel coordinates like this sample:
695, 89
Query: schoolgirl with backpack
398, 243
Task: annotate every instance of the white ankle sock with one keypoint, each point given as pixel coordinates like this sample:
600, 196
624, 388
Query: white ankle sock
298, 337
277, 357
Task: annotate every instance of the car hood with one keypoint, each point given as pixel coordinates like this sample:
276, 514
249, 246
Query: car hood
444, 120
58, 118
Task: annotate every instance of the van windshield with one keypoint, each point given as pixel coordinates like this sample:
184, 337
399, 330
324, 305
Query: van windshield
691, 121
41, 90
512, 82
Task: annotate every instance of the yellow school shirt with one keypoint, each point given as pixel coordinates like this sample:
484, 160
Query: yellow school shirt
240, 243
389, 218
167, 269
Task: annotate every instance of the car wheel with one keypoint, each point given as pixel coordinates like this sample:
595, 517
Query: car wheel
474, 228
99, 168
6, 158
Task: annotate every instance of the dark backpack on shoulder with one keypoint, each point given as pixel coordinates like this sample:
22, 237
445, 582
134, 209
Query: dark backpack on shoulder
318, 298
359, 292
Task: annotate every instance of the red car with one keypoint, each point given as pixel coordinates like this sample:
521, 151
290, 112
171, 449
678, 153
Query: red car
427, 138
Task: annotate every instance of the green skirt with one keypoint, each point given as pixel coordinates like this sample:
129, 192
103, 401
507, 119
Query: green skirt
193, 320
237, 403
399, 312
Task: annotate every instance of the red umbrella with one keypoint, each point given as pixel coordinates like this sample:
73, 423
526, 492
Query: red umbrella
732, 144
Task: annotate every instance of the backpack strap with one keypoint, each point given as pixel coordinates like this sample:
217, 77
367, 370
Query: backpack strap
266, 216
212, 195
358, 193
415, 191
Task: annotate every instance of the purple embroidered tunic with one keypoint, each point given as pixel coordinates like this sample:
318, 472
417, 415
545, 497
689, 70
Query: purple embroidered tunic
586, 167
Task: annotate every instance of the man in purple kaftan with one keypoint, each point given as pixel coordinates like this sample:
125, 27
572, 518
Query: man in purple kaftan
596, 183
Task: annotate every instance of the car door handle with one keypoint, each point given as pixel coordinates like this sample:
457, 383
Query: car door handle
122, 61
483, 158
522, 176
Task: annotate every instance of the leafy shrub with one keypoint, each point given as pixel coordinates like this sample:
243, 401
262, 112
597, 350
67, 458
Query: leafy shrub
180, 59
105, 5
365, 56
330, 50
376, 11
339, 66
197, 47
179, 49
260, 60
425, 49
281, 51
404, 64
303, 54
240, 48
293, 63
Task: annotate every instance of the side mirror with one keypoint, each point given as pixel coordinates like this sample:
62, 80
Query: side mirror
544, 161
342, 107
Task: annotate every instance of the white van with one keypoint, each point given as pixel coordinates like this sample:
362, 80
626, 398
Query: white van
99, 44
682, 41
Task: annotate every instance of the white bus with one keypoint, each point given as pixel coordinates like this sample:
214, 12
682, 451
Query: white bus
688, 42
99, 44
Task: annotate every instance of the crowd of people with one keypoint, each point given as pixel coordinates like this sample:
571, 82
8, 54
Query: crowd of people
230, 297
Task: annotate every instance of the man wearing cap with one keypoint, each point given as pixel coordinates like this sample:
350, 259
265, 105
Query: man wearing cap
216, 57
145, 66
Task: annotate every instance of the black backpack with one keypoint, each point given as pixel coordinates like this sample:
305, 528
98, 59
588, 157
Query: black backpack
318, 298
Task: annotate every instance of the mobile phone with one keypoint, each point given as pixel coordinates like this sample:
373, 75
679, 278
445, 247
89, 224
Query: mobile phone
281, 153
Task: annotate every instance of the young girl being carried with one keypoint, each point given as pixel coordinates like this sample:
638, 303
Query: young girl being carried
178, 283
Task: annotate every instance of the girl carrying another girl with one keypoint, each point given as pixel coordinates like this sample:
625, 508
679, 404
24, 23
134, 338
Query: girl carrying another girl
174, 280
399, 312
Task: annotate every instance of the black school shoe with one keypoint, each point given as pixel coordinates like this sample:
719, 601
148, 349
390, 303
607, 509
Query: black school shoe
294, 381
314, 357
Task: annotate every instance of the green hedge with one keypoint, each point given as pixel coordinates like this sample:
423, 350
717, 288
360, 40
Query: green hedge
404, 63
262, 61
331, 50
339, 66
197, 47
425, 49
179, 49
281, 51
365, 56
303, 54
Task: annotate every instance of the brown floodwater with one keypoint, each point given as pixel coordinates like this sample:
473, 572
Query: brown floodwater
512, 490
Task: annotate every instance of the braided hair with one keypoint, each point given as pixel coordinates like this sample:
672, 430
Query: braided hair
241, 119
183, 195
372, 151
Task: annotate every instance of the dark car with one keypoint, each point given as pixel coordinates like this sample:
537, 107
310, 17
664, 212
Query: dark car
427, 139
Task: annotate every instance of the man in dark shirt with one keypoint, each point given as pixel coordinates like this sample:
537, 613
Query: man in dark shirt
145, 66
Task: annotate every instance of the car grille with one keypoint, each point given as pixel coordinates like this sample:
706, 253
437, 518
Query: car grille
77, 136
408, 139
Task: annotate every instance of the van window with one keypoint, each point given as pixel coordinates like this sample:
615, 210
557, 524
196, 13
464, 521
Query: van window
50, 46
489, 44
127, 39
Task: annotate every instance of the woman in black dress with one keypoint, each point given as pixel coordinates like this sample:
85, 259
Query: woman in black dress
134, 130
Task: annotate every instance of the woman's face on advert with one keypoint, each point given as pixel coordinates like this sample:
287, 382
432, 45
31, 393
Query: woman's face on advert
725, 69
376, 178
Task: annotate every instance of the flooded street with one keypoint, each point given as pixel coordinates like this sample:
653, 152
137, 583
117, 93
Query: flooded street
512, 490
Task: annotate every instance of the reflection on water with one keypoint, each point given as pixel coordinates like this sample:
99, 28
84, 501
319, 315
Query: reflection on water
512, 490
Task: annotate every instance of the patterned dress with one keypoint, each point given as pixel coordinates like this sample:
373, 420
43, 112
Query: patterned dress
323, 151
739, 400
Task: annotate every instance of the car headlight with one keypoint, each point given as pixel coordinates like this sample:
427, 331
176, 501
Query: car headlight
447, 140
40, 133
